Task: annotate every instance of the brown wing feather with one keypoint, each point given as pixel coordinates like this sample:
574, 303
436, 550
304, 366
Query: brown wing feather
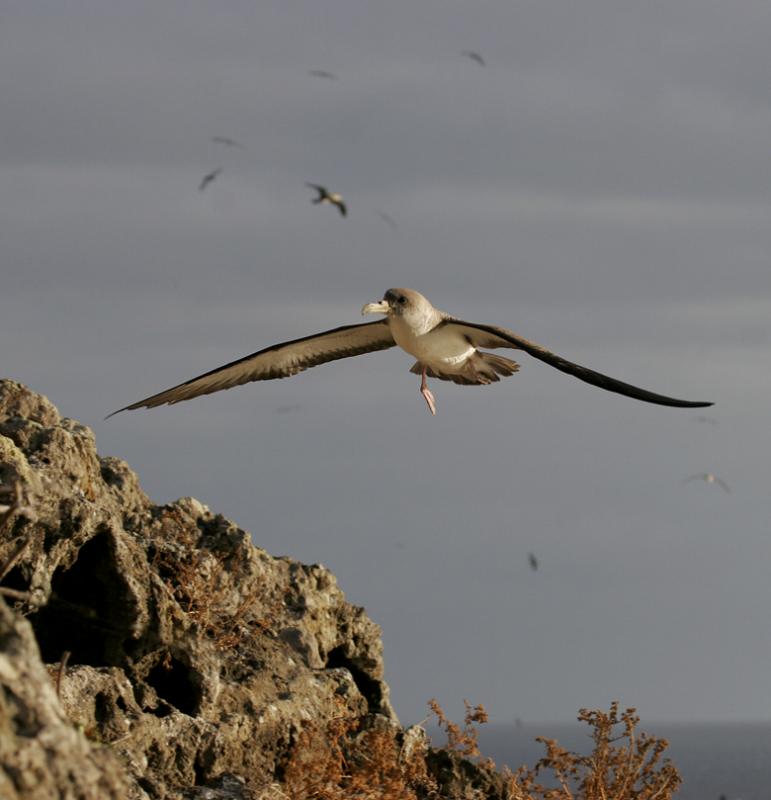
492, 336
278, 361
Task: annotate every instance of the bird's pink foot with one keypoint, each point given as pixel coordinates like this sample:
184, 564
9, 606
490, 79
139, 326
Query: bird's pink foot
429, 400
427, 396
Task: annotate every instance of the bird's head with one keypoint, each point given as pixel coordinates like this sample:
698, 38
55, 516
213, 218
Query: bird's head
399, 303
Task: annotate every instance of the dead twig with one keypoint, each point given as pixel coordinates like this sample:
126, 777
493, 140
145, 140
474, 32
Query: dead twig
60, 673
6, 591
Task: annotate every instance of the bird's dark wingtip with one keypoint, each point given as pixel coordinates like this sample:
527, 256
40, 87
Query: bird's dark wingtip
125, 408
670, 401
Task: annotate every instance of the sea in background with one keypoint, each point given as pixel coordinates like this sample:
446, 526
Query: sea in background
714, 759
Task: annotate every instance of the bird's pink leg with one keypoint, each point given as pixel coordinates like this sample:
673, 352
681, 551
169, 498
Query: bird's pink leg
426, 392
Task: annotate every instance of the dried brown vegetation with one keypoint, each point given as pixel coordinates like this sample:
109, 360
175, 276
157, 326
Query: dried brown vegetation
339, 762
622, 766
197, 578
463, 740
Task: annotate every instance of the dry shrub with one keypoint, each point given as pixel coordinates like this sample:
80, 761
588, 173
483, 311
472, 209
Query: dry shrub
622, 766
462, 740
197, 577
337, 761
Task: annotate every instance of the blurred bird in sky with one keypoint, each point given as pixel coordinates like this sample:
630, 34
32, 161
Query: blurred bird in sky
322, 73
709, 477
227, 142
208, 178
533, 561
474, 56
325, 196
389, 220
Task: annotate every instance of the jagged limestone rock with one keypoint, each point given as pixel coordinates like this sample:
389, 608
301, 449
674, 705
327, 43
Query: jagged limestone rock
43, 756
191, 654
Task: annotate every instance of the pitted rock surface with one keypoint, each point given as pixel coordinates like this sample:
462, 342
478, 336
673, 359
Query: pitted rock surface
191, 655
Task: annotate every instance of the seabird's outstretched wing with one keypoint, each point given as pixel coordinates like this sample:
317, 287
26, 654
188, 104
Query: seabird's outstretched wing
279, 361
491, 336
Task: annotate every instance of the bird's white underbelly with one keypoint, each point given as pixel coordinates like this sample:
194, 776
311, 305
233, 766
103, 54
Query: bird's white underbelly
441, 347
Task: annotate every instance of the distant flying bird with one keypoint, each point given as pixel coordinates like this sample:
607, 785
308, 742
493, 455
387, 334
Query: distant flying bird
325, 196
445, 347
208, 178
391, 222
474, 56
227, 142
322, 73
708, 477
533, 561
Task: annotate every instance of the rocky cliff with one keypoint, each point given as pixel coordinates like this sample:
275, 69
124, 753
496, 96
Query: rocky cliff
154, 652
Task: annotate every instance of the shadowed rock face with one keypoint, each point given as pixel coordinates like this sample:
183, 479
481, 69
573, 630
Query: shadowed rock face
194, 656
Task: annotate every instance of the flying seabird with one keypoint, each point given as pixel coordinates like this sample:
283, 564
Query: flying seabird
325, 196
322, 73
708, 477
533, 561
474, 56
208, 178
446, 348
227, 142
388, 219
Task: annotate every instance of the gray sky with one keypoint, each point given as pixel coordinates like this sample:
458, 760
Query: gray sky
603, 186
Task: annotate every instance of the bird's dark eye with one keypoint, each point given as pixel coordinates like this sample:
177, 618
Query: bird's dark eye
402, 300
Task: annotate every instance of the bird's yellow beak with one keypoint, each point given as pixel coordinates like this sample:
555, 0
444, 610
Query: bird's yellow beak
376, 308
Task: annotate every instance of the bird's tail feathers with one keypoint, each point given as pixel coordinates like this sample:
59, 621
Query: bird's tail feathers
479, 370
503, 366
